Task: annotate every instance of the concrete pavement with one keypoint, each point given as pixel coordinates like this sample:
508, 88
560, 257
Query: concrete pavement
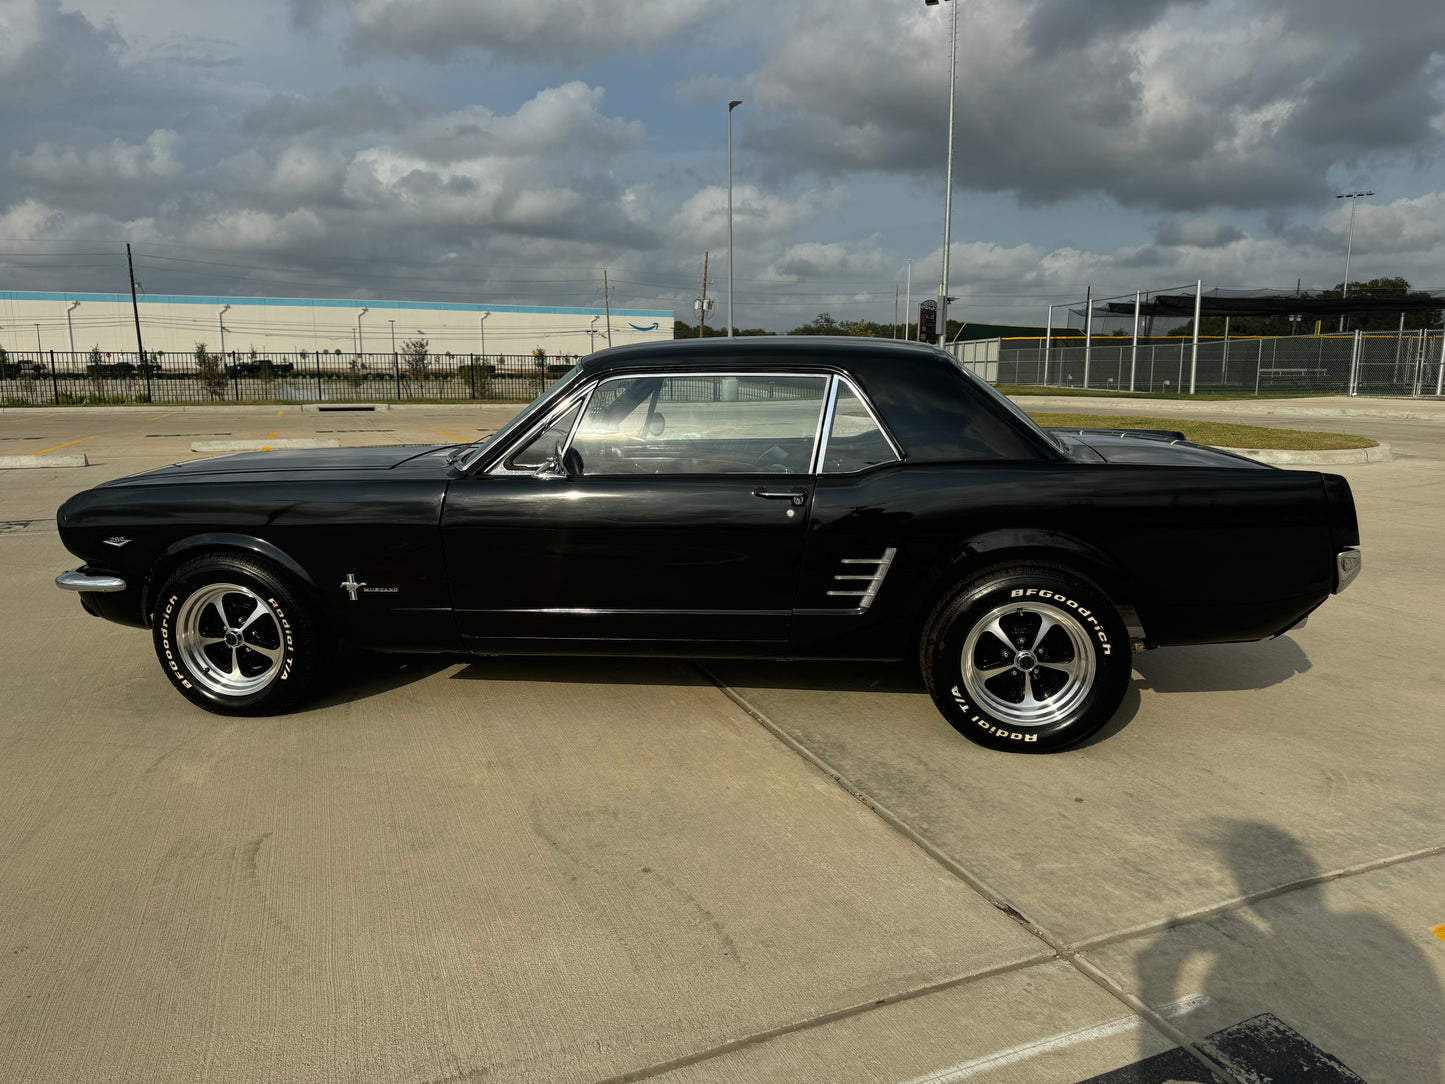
552, 869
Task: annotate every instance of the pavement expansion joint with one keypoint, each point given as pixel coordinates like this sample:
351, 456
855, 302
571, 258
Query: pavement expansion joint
1203, 914
1060, 948
823, 1019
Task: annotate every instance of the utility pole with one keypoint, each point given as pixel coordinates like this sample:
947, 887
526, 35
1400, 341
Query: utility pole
895, 310
607, 302
702, 301
135, 311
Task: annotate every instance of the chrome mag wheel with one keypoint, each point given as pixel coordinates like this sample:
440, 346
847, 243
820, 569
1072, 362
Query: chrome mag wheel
1027, 664
230, 639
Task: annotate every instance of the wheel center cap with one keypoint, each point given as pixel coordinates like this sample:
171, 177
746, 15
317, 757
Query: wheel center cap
233, 639
1026, 661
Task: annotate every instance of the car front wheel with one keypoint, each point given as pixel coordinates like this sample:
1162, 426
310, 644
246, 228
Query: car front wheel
1026, 659
236, 637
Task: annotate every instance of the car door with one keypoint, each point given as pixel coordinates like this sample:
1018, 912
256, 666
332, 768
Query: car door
674, 516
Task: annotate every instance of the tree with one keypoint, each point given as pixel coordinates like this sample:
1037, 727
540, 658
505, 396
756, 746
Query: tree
212, 375
683, 330
1280, 324
414, 357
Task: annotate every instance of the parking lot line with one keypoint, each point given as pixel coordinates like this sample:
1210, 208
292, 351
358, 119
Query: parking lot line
158, 417
67, 444
449, 436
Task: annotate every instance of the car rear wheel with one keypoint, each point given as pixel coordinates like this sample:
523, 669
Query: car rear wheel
1027, 659
237, 637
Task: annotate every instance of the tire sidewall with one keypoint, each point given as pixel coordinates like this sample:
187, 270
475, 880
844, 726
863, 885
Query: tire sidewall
298, 660
1084, 603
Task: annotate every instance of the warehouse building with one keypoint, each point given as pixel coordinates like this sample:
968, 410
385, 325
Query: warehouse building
71, 324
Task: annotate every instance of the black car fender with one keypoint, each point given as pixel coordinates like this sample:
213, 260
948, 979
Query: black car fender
1032, 545
194, 545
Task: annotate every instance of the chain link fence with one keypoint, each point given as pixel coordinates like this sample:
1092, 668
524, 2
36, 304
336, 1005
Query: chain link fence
55, 378
1410, 364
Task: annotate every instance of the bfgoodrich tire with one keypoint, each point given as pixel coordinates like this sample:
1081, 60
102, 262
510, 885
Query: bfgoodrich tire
1027, 659
237, 637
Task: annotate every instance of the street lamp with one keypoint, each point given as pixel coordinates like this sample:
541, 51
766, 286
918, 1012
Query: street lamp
1349, 244
221, 321
948, 182
69, 328
482, 330
359, 315
731, 106
38, 348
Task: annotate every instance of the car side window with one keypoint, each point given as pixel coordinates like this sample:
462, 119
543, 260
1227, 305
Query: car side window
536, 451
855, 440
702, 424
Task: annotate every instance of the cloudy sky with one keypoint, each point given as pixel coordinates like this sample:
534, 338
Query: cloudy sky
508, 151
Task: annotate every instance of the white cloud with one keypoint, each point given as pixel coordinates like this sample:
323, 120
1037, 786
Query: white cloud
67, 167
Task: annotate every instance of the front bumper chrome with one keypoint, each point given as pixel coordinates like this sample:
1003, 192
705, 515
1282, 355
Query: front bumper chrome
1347, 567
76, 580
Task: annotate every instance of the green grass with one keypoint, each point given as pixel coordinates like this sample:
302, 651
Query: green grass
1216, 434
1212, 396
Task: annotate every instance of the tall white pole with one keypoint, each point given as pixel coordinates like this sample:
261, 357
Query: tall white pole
1088, 331
70, 328
908, 303
1134, 347
948, 185
221, 319
731, 106
1048, 340
1194, 350
481, 331
359, 315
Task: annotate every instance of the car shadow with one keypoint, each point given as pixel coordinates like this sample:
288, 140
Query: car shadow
357, 674
1216, 668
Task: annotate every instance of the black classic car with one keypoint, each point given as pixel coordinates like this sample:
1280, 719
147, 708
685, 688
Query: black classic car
776, 498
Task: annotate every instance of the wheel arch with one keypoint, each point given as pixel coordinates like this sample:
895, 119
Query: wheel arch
980, 553
182, 550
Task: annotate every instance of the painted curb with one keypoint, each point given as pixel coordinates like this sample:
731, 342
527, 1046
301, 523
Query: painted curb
9, 462
263, 445
1282, 457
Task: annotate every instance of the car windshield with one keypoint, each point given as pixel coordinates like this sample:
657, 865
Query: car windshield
474, 451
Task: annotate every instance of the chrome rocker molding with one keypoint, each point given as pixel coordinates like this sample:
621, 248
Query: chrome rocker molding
1347, 567
76, 580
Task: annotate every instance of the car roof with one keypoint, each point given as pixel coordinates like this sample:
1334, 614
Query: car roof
841, 351
930, 405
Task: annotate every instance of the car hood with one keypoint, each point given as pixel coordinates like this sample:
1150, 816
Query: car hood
385, 457
1151, 447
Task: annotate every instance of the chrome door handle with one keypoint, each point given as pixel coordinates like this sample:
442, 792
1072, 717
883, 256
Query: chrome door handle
770, 493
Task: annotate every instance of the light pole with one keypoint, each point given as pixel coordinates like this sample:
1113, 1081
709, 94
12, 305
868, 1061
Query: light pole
70, 329
731, 106
220, 320
359, 315
948, 182
395, 365
1349, 244
38, 348
482, 331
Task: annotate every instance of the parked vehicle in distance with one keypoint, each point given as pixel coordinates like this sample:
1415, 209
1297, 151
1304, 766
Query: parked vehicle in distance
261, 367
777, 498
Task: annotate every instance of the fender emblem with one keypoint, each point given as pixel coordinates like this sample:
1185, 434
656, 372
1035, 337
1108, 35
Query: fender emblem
350, 586
117, 541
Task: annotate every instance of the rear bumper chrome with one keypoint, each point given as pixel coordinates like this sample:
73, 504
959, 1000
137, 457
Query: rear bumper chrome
1347, 567
76, 580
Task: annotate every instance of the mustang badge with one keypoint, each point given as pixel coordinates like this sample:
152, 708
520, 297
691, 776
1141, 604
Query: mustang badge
350, 586
117, 541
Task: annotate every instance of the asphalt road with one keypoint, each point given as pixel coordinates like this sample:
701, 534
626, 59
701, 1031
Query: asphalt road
602, 870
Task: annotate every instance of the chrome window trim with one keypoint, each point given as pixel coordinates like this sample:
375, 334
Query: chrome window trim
820, 446
581, 398
873, 414
823, 402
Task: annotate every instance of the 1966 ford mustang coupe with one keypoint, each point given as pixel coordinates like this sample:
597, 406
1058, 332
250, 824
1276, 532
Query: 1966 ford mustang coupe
785, 498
